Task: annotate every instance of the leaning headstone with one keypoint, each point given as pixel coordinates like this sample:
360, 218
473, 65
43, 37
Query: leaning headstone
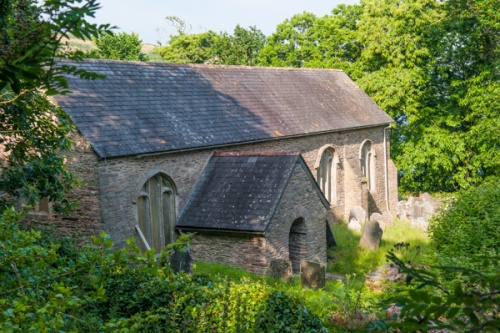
426, 197
357, 213
371, 236
378, 217
181, 261
279, 269
388, 218
354, 225
312, 275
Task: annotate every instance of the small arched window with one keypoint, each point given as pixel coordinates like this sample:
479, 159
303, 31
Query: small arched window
156, 211
327, 174
367, 160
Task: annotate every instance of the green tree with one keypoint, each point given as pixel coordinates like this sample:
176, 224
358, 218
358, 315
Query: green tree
120, 46
433, 66
309, 41
189, 48
32, 130
241, 48
448, 139
293, 43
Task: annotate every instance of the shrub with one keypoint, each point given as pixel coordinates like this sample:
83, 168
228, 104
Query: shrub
445, 298
471, 225
96, 289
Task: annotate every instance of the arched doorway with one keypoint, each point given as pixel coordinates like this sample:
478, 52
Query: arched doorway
297, 245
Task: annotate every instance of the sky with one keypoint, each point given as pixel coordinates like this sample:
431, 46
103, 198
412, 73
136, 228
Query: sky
145, 17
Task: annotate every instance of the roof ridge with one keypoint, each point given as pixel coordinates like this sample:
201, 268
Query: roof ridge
190, 65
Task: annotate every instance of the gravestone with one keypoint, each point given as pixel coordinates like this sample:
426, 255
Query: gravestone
402, 210
312, 275
387, 218
357, 213
181, 261
354, 225
378, 218
428, 208
279, 269
371, 236
420, 223
417, 211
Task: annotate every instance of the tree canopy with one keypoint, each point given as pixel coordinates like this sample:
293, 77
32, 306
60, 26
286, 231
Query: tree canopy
121, 46
241, 48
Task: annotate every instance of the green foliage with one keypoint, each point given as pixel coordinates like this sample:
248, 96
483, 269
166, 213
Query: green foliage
32, 130
95, 289
241, 48
309, 41
30, 38
469, 303
120, 46
471, 226
194, 48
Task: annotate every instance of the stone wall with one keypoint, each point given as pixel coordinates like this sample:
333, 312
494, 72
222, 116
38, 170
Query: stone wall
300, 200
111, 186
242, 251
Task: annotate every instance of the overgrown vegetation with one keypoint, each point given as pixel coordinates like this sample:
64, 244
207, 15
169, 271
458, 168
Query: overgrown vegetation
471, 226
95, 289
438, 298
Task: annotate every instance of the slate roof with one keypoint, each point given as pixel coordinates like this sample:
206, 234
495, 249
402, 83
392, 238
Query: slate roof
241, 191
143, 108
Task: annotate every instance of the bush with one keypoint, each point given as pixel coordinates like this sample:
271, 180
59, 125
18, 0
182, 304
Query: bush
444, 299
471, 226
48, 288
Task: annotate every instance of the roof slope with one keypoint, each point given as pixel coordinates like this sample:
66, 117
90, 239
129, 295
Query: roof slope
239, 192
145, 108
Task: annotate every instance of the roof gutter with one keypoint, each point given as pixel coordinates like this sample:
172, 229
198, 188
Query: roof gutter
222, 231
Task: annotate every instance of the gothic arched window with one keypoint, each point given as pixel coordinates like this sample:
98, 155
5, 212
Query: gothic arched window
156, 211
327, 174
367, 160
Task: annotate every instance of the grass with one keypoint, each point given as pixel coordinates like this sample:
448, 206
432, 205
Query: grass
348, 258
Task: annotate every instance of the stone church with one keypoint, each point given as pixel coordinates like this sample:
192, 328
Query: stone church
256, 161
